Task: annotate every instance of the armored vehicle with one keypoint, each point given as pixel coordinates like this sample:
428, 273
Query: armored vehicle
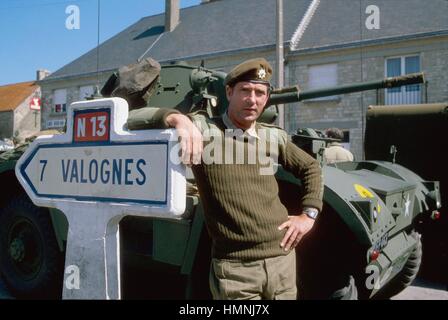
411, 135
364, 243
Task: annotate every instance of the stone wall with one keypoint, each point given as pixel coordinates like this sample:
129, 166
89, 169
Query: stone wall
26, 121
435, 63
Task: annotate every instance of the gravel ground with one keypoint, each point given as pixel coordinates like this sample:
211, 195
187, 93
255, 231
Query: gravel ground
423, 290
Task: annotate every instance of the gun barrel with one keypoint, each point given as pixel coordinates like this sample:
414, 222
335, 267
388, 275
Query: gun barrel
293, 94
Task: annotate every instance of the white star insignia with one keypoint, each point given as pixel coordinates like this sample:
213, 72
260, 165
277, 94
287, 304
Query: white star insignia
261, 73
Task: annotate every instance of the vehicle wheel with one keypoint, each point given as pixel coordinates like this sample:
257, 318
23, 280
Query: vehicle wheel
328, 261
30, 260
407, 275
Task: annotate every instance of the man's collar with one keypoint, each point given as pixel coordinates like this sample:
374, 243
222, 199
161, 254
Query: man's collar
230, 125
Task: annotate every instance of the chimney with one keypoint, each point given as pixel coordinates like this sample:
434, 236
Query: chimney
171, 14
42, 74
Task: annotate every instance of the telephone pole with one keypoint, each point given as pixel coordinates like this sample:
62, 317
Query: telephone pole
280, 60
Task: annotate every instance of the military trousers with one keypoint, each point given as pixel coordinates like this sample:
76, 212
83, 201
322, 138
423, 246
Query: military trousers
267, 279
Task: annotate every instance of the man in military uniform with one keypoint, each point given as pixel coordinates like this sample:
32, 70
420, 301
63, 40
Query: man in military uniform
335, 152
253, 238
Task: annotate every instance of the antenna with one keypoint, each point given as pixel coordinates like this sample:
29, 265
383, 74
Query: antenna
97, 89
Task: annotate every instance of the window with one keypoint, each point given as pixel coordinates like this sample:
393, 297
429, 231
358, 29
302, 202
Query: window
323, 76
58, 123
85, 92
60, 101
399, 66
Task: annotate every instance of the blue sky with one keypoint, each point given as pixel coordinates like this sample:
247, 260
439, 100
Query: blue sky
34, 36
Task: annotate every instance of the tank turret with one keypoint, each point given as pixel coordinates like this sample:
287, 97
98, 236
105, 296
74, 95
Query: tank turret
188, 88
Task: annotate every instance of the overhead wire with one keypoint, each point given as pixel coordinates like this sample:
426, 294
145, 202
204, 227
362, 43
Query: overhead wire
35, 4
98, 47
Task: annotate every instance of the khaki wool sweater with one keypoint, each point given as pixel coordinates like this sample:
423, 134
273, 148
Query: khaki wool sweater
242, 208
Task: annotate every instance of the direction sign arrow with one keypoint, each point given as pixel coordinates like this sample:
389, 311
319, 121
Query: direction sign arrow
118, 172
96, 173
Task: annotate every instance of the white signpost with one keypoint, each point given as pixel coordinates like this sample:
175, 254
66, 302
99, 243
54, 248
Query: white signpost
96, 173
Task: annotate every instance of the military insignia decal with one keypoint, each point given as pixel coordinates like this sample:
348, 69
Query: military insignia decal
365, 193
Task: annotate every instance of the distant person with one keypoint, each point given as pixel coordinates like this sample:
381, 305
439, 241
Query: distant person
335, 152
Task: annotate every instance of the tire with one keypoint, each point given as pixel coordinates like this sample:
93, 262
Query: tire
30, 260
328, 260
407, 275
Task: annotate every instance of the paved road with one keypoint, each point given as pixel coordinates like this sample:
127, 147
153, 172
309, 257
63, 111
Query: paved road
423, 290
420, 290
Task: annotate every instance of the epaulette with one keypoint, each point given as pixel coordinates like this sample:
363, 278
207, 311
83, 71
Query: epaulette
281, 134
269, 125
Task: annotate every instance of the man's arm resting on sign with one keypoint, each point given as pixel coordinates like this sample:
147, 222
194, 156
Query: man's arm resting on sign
163, 118
189, 135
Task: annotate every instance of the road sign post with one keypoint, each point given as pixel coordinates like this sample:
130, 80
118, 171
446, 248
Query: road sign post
97, 173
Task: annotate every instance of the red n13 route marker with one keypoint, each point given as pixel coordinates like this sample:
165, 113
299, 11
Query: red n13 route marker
91, 126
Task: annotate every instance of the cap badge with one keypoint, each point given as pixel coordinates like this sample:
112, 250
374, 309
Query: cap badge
261, 73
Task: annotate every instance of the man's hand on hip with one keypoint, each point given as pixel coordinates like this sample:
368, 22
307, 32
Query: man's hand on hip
297, 226
190, 138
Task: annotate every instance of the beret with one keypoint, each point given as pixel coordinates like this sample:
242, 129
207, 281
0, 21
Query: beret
256, 70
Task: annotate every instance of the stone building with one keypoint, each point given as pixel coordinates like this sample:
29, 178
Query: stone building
17, 119
342, 46
346, 41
